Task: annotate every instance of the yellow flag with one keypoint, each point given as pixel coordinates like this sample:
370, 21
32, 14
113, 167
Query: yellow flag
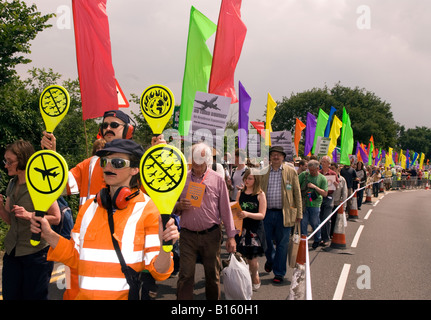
421, 161
402, 159
388, 161
270, 112
334, 134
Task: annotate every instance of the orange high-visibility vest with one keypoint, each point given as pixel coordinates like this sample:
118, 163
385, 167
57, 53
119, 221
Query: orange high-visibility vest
86, 179
91, 252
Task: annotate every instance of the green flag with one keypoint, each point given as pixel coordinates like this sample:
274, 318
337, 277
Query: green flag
370, 151
346, 139
322, 121
198, 65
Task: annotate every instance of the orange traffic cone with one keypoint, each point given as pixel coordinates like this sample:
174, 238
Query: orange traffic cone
339, 237
353, 211
368, 194
300, 258
338, 243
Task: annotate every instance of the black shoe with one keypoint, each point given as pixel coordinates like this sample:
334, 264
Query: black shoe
315, 244
277, 280
324, 243
268, 267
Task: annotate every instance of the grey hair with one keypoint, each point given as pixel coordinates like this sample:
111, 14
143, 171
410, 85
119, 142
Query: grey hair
197, 153
327, 158
313, 163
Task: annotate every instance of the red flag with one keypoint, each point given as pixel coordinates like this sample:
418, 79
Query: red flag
93, 55
227, 49
259, 126
299, 126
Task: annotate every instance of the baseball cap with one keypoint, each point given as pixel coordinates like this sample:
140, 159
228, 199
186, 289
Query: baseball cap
122, 146
117, 114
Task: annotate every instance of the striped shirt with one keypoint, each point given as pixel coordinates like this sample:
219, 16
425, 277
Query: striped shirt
273, 193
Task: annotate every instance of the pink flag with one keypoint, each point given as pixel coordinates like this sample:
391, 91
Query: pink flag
227, 49
93, 55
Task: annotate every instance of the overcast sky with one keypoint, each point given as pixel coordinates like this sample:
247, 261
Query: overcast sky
291, 46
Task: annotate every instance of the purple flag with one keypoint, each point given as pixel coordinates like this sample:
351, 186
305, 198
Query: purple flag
244, 107
310, 131
362, 152
334, 155
383, 156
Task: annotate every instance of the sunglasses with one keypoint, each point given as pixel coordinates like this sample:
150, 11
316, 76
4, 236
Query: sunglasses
116, 163
113, 125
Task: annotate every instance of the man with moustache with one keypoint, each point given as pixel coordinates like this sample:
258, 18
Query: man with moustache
86, 178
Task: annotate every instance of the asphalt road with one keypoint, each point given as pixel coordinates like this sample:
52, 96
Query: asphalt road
389, 254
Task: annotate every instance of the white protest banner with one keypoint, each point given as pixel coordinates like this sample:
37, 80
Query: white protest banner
209, 118
283, 139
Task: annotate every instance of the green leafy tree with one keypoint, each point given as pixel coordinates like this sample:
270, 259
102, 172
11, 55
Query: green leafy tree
19, 24
417, 139
368, 113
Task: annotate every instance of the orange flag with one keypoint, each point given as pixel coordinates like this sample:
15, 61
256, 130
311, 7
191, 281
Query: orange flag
298, 129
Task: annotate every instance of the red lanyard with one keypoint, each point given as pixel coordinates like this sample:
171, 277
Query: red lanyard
208, 169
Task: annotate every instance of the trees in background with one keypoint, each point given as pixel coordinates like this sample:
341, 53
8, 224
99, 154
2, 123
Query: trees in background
368, 113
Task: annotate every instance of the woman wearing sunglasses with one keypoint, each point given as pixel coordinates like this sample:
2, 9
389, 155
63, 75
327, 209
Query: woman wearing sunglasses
86, 178
137, 228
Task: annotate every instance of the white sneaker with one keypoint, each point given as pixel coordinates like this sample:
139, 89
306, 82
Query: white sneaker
256, 286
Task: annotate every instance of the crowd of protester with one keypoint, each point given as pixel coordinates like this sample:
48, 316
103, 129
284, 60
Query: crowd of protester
273, 195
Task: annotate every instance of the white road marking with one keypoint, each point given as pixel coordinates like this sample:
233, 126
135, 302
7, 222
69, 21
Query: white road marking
338, 294
368, 214
357, 235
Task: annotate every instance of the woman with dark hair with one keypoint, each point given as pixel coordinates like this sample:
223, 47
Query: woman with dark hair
26, 272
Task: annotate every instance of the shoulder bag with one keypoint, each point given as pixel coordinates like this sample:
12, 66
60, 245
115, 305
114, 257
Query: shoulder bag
133, 278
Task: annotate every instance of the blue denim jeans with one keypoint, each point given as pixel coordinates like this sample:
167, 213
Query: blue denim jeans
277, 239
311, 216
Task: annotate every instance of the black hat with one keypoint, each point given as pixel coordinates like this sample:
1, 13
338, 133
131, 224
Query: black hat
122, 146
277, 149
117, 114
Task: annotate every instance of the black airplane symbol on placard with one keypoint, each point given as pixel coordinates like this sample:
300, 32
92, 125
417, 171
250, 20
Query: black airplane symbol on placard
153, 174
208, 104
169, 167
150, 165
281, 137
47, 172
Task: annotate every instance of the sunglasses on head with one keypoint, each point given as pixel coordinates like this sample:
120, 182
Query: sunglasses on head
116, 163
113, 125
